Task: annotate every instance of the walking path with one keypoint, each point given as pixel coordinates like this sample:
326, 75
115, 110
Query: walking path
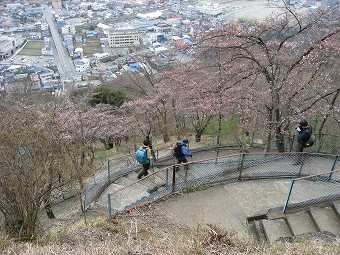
227, 205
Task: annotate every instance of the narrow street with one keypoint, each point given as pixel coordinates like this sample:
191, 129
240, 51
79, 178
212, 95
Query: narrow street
62, 58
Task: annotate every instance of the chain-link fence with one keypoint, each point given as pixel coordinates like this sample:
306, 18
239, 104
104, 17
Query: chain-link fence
324, 143
313, 189
177, 178
121, 166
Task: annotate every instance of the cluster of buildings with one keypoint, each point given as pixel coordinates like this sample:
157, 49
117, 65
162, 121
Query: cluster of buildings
103, 37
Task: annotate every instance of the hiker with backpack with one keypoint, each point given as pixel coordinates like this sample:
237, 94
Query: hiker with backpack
303, 139
181, 153
143, 157
148, 139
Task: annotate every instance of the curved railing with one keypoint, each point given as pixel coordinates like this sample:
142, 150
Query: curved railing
122, 166
328, 184
239, 166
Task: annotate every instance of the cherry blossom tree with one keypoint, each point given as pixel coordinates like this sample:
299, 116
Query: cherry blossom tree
144, 84
32, 161
82, 126
286, 65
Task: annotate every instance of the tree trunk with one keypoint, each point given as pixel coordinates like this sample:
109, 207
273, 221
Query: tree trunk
219, 129
279, 140
198, 135
47, 198
48, 209
331, 107
269, 128
165, 130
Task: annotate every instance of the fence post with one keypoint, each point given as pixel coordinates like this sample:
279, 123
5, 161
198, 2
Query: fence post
320, 138
303, 155
108, 170
240, 166
109, 206
83, 207
334, 164
82, 201
167, 177
94, 179
288, 197
291, 143
218, 151
173, 177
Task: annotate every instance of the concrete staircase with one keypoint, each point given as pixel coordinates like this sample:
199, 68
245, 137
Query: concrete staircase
273, 227
131, 192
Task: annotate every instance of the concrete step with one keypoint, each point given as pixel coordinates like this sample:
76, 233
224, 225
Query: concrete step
336, 208
102, 200
260, 231
301, 223
252, 231
152, 182
125, 181
326, 219
276, 229
123, 198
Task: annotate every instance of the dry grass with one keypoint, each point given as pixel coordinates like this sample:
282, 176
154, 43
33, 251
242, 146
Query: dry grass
146, 231
32, 48
92, 46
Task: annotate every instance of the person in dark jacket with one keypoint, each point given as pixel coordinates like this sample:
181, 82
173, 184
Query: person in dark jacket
183, 157
304, 133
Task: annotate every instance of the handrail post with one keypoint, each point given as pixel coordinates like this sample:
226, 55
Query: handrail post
218, 151
109, 206
334, 164
94, 179
241, 165
173, 177
291, 143
108, 170
288, 197
167, 177
303, 155
320, 138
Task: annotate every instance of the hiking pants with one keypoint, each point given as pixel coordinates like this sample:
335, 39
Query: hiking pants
182, 160
144, 172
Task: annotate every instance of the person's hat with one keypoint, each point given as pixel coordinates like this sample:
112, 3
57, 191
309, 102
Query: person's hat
303, 123
185, 140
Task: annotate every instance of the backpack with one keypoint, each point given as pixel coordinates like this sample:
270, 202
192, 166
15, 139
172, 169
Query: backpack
310, 141
177, 150
141, 156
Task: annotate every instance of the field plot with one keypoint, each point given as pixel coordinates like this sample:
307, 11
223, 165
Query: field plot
32, 48
92, 46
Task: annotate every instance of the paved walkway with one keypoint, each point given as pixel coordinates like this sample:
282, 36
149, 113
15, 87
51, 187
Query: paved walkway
226, 205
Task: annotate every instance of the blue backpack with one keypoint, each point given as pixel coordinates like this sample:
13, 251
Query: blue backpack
141, 157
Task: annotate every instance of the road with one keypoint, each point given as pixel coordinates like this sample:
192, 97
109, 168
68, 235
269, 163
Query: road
62, 58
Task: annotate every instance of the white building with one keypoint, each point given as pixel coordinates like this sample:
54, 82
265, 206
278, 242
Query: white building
101, 55
9, 44
68, 30
150, 15
82, 65
123, 38
210, 9
44, 26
